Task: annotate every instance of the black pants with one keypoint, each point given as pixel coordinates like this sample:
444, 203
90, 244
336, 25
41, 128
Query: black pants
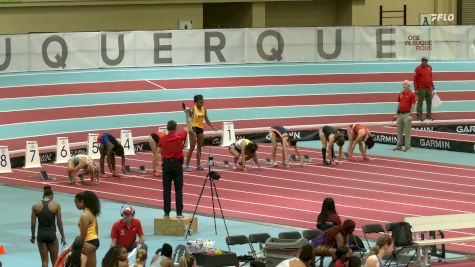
172, 170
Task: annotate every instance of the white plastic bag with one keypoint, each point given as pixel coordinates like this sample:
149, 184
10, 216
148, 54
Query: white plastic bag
436, 101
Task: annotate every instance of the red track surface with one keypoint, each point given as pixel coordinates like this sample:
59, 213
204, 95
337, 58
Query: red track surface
62, 89
382, 190
168, 106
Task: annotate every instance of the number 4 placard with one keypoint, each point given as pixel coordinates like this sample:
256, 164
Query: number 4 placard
32, 155
93, 146
5, 164
62, 150
127, 142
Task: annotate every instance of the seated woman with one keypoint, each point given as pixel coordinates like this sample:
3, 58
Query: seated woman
305, 259
81, 165
384, 247
332, 239
328, 216
164, 259
245, 149
329, 136
187, 260
140, 258
115, 257
280, 134
75, 257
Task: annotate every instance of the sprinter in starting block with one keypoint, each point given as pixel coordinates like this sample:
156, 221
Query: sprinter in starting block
280, 134
357, 134
245, 149
81, 165
110, 147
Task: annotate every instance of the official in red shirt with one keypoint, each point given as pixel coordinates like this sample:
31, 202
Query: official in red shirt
125, 231
171, 146
423, 85
406, 100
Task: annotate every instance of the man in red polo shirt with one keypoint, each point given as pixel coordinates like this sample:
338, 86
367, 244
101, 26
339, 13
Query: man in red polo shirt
125, 231
172, 164
406, 100
423, 85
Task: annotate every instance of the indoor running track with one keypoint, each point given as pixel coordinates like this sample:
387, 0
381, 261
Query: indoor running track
379, 191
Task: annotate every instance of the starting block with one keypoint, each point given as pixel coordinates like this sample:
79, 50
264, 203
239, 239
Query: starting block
43, 175
306, 158
224, 164
293, 157
140, 169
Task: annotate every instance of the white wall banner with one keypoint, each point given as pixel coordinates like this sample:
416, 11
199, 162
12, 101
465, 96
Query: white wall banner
83, 50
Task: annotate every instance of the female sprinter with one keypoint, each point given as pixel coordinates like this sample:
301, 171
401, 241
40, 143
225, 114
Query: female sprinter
80, 165
156, 152
198, 117
90, 205
110, 147
280, 134
329, 136
48, 213
245, 149
358, 133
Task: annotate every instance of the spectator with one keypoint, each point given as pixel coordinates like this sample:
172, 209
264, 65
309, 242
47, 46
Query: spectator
328, 216
305, 259
187, 260
140, 258
89, 203
165, 257
384, 247
406, 101
332, 239
48, 213
342, 256
424, 85
115, 257
125, 230
76, 258
171, 146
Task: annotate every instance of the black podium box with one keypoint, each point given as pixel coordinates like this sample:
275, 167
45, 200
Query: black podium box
225, 259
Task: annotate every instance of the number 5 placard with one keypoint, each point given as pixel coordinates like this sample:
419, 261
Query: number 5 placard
93, 146
32, 155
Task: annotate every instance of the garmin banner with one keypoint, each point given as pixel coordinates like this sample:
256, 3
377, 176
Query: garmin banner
425, 142
85, 50
460, 128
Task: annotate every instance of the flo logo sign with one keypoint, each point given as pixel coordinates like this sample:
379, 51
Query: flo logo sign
429, 19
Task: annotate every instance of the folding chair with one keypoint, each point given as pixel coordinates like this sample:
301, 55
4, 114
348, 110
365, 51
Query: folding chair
311, 234
402, 237
259, 239
372, 229
357, 246
179, 251
290, 235
323, 226
234, 240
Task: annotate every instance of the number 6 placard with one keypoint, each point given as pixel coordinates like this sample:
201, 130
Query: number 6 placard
32, 155
62, 150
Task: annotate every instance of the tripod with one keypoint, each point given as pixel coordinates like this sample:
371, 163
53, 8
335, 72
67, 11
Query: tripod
212, 176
